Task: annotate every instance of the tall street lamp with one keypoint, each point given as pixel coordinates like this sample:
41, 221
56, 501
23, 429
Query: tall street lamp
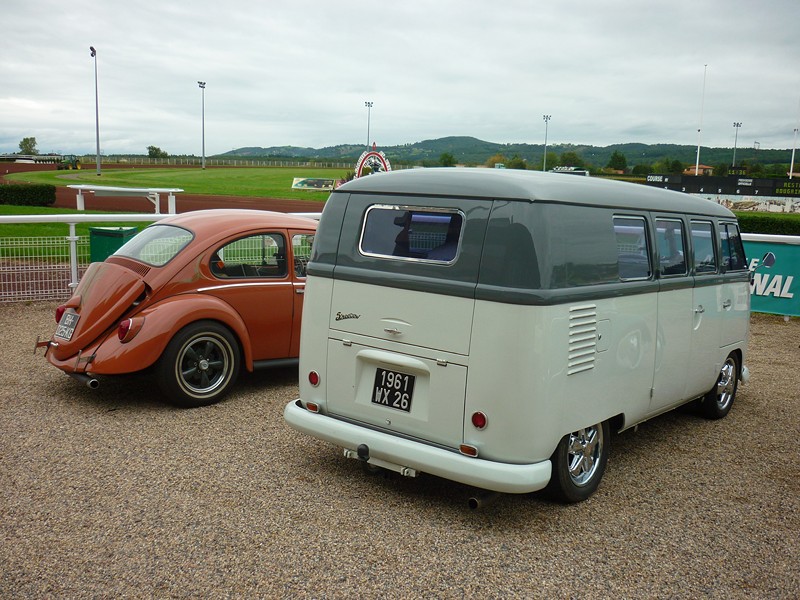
700, 126
794, 142
369, 111
736, 126
96, 107
202, 85
546, 119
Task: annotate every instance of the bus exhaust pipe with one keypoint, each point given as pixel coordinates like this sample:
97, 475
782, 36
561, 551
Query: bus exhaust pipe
482, 499
86, 380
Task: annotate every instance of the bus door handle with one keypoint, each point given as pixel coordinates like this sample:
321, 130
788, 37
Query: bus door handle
726, 304
699, 310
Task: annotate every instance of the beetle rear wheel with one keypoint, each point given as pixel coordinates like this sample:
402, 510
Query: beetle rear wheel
579, 463
199, 365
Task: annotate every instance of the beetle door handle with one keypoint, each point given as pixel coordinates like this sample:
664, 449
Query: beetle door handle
726, 304
699, 310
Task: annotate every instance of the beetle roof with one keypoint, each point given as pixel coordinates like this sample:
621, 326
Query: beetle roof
221, 221
531, 186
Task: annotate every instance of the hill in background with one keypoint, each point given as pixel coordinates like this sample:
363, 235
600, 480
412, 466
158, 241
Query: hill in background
470, 150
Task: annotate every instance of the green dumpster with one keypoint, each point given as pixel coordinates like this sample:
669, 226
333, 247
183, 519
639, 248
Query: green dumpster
104, 241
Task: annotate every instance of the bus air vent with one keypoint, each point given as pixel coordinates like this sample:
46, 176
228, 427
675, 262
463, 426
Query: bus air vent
582, 338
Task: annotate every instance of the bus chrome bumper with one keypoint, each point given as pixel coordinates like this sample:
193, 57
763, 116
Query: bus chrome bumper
408, 457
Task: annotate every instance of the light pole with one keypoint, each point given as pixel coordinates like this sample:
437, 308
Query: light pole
546, 119
369, 111
700, 126
794, 143
96, 107
736, 126
202, 85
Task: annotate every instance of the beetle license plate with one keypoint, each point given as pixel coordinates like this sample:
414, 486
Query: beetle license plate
66, 327
393, 389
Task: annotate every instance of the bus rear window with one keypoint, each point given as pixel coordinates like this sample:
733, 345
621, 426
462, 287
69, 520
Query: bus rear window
411, 233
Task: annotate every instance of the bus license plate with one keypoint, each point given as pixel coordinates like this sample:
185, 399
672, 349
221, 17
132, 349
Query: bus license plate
393, 389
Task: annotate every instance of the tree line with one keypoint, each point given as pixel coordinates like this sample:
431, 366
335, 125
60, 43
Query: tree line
616, 165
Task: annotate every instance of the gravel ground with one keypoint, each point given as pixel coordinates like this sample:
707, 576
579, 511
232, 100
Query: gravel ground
111, 493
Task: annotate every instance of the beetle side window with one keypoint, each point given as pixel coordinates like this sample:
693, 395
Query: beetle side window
411, 233
262, 255
671, 250
703, 247
732, 249
301, 249
632, 248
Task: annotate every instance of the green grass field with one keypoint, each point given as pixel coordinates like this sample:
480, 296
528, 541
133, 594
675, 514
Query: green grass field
271, 182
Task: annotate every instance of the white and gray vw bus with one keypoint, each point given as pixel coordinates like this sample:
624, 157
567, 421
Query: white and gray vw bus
493, 327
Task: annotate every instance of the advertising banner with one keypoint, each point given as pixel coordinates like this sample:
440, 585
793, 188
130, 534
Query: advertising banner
774, 290
312, 183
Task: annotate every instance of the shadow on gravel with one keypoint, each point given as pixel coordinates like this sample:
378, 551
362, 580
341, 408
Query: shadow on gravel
141, 390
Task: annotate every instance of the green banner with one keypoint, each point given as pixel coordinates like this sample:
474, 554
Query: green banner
774, 290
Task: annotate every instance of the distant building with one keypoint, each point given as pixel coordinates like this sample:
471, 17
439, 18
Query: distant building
701, 170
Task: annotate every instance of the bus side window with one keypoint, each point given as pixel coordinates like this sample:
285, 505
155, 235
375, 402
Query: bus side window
732, 249
633, 253
703, 247
669, 241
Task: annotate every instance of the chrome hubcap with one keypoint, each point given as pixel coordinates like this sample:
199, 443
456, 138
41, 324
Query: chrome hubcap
726, 386
585, 449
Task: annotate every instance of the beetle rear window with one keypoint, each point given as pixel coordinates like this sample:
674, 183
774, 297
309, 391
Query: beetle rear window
156, 245
412, 233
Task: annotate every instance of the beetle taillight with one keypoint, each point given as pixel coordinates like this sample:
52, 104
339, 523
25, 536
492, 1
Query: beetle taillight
60, 313
313, 378
479, 420
129, 329
123, 329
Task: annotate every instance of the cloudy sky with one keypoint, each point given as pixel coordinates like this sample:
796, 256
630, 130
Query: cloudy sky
299, 73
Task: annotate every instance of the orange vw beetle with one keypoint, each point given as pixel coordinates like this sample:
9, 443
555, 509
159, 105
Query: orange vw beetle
196, 296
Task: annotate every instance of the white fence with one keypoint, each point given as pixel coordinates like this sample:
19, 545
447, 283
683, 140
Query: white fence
38, 268
49, 267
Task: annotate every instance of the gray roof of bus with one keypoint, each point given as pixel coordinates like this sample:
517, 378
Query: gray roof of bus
530, 186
